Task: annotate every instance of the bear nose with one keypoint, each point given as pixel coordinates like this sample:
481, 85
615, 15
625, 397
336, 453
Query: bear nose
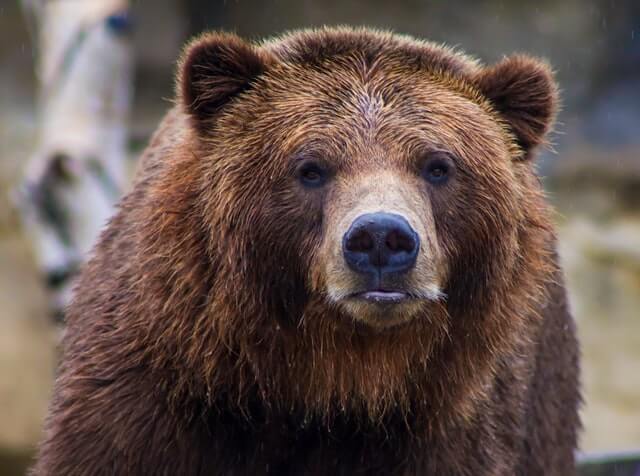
380, 243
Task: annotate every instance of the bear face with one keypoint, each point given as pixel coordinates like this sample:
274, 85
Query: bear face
372, 202
358, 136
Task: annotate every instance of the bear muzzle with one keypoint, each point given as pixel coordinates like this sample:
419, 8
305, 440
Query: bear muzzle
381, 247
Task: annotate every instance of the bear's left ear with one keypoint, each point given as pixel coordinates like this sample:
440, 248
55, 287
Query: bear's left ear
214, 69
523, 91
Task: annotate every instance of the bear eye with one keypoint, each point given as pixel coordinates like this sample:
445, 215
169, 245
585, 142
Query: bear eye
312, 174
437, 168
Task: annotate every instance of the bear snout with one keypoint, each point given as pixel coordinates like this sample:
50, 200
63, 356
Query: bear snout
380, 244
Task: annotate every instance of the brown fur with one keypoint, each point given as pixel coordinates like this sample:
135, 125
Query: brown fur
204, 338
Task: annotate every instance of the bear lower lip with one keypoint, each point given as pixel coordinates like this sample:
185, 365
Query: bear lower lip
383, 297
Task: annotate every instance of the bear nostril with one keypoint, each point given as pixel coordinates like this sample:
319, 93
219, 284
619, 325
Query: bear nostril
360, 241
397, 240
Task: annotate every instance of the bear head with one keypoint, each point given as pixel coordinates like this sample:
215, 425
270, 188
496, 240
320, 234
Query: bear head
370, 210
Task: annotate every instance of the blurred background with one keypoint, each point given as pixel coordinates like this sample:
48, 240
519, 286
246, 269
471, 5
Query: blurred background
83, 84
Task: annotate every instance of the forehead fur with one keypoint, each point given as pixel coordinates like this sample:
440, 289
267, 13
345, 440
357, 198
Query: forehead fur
398, 54
371, 68
312, 47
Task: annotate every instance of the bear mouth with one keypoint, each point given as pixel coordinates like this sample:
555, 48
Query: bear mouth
382, 296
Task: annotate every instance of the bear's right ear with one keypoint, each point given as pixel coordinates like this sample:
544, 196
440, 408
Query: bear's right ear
214, 68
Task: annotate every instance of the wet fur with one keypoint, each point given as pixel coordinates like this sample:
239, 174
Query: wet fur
201, 340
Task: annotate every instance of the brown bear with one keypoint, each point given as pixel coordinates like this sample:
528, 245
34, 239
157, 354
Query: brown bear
336, 259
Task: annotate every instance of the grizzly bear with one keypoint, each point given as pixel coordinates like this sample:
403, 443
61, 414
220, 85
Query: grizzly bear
336, 259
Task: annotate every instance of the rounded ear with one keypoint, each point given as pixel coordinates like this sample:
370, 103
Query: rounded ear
215, 68
522, 89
